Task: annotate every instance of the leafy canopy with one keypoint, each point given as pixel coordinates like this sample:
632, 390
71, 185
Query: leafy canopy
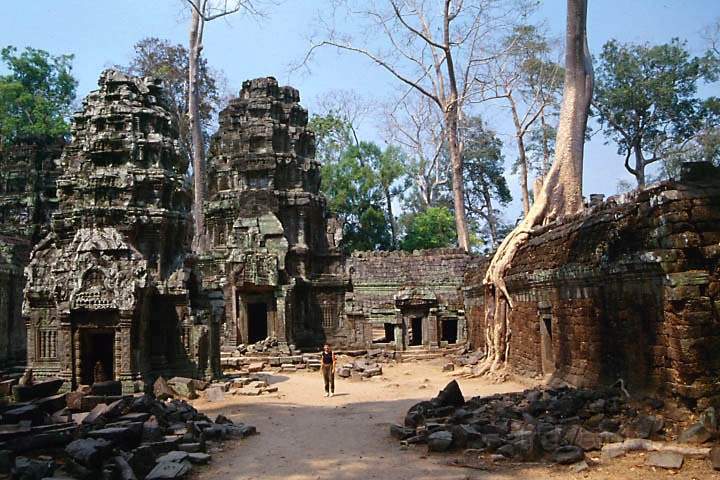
36, 95
432, 228
646, 99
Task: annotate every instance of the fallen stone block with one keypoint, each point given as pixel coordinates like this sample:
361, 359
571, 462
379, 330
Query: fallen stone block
108, 388
29, 469
215, 394
45, 388
439, 441
199, 458
162, 390
89, 452
169, 471
174, 456
185, 387
568, 454
255, 367
668, 460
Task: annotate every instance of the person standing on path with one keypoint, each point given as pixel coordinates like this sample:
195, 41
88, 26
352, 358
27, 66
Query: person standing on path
327, 367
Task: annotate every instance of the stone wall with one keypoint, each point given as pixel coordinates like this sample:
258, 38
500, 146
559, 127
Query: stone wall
28, 173
391, 288
629, 289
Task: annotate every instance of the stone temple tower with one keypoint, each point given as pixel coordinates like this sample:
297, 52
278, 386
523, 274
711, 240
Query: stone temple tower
109, 284
272, 246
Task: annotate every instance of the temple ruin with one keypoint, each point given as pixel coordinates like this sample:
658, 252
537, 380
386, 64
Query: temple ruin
627, 289
28, 177
108, 289
273, 251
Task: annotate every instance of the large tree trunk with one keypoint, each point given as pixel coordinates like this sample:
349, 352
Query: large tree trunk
458, 186
198, 157
522, 160
639, 167
561, 193
491, 219
391, 217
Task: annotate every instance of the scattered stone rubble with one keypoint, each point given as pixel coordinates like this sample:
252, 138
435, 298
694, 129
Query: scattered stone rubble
559, 425
97, 430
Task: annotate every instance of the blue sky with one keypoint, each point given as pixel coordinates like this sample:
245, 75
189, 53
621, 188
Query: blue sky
101, 33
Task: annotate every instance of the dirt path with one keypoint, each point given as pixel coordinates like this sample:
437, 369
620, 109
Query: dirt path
305, 436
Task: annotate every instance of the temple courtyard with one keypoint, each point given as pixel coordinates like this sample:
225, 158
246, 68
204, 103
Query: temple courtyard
303, 435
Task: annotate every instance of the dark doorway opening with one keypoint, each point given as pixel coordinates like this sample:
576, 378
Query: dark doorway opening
97, 349
449, 331
257, 322
415, 331
389, 332
547, 355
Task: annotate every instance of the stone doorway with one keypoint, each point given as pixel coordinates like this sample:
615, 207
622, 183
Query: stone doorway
257, 321
449, 331
96, 345
416, 333
547, 354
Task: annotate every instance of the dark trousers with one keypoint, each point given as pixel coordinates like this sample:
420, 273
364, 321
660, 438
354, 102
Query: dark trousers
329, 376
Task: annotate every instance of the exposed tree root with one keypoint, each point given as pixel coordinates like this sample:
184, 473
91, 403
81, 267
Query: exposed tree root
561, 192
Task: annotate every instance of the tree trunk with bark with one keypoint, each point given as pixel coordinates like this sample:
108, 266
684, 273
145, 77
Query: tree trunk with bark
522, 160
391, 218
198, 152
561, 193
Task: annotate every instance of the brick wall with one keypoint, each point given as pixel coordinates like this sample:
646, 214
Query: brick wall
630, 289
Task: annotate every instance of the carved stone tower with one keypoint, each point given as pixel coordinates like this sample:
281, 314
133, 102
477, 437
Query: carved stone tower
271, 251
109, 284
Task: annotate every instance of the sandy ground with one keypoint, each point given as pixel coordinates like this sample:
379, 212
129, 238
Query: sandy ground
304, 435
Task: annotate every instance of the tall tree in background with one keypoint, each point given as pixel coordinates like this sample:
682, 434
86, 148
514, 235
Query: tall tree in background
361, 181
646, 100
202, 12
36, 95
485, 185
171, 62
529, 81
433, 48
431, 228
416, 125
561, 192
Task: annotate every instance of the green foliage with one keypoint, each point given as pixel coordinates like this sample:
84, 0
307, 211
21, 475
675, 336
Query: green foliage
360, 181
36, 96
432, 228
646, 99
485, 184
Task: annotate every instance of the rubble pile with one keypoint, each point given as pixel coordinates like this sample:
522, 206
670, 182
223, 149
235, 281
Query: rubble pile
559, 424
362, 368
240, 385
96, 431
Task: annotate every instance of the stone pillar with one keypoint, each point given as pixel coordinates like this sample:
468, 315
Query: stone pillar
68, 353
461, 327
123, 364
280, 316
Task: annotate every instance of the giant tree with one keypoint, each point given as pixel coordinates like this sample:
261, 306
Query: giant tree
416, 125
485, 185
646, 100
36, 94
433, 48
528, 80
561, 192
202, 12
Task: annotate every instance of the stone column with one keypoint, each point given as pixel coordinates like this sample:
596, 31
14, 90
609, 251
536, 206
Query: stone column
461, 327
280, 317
122, 361
68, 350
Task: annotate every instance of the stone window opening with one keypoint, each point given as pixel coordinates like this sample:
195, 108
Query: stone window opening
47, 345
547, 353
383, 332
